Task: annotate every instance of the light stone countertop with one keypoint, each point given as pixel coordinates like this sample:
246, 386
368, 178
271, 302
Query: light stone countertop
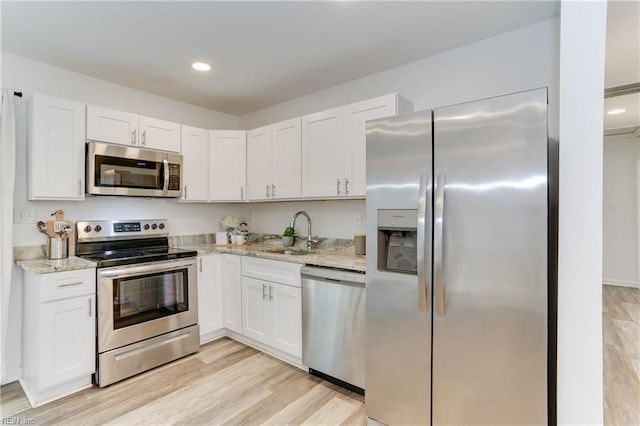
46, 266
327, 254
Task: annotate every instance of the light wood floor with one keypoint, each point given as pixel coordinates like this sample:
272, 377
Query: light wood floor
621, 350
229, 383
225, 383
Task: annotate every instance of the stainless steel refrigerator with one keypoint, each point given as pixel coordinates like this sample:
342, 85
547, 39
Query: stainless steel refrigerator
460, 305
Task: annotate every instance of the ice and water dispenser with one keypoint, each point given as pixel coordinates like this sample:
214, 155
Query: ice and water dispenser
397, 241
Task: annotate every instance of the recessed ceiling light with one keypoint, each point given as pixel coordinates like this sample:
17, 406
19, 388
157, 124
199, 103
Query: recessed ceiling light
616, 111
201, 66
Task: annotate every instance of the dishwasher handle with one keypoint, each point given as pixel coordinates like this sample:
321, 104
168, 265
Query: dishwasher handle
335, 275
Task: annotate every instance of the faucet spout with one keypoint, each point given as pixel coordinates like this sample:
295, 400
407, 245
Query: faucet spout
311, 241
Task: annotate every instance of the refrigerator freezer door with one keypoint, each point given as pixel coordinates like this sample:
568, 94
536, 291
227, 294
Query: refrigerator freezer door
490, 301
398, 363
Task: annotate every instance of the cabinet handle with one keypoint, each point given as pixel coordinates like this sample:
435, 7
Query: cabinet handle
267, 192
90, 308
70, 283
79, 187
338, 187
133, 137
273, 190
201, 265
264, 291
242, 192
143, 138
346, 186
185, 192
270, 292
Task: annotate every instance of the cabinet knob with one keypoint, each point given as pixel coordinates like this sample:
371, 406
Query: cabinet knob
338, 187
273, 190
346, 186
133, 137
143, 138
267, 191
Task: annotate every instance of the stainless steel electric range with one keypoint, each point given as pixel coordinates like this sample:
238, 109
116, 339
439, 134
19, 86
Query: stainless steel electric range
147, 298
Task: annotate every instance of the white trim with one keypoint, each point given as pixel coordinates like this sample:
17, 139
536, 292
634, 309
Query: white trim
296, 362
621, 283
211, 336
41, 397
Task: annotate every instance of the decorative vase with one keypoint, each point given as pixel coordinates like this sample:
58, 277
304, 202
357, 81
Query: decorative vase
287, 241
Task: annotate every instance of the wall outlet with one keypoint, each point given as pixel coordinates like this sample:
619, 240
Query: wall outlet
24, 215
361, 219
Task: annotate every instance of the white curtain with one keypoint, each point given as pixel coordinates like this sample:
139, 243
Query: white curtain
8, 166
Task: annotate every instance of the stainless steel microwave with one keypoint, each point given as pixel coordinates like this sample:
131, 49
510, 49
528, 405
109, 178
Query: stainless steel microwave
121, 170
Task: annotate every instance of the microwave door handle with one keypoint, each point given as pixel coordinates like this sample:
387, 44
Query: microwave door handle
165, 168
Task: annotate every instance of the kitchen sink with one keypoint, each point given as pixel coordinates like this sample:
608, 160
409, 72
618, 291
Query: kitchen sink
290, 252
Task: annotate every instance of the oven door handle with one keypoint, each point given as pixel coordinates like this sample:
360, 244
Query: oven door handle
165, 167
145, 268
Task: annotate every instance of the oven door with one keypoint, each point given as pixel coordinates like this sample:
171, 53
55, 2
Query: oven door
119, 170
140, 301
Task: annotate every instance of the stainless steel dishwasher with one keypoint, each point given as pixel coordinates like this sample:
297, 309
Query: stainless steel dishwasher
333, 321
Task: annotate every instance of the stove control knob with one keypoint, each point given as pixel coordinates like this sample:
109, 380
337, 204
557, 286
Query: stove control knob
146, 226
98, 228
154, 226
87, 229
161, 226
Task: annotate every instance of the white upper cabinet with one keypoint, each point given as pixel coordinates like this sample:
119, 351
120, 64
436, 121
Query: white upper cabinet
273, 161
159, 134
123, 128
112, 126
55, 149
322, 154
333, 146
195, 164
355, 135
227, 165
285, 159
259, 165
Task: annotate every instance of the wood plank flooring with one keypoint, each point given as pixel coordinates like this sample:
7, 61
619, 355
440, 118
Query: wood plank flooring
225, 383
230, 383
621, 350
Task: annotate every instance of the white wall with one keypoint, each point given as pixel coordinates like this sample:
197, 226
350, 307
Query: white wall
335, 219
620, 213
523, 59
582, 43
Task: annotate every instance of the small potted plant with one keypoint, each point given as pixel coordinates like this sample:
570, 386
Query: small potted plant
288, 236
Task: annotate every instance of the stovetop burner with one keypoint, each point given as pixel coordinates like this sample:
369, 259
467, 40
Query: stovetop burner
116, 243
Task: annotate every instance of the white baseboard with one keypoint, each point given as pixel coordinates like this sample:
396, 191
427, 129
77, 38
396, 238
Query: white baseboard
294, 361
11, 375
210, 337
621, 283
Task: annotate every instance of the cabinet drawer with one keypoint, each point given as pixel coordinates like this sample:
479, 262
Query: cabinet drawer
272, 270
61, 285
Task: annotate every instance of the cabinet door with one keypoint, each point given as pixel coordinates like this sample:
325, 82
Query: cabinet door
355, 135
286, 156
259, 164
227, 162
322, 154
209, 294
68, 338
286, 318
255, 312
232, 292
56, 149
110, 125
159, 134
195, 164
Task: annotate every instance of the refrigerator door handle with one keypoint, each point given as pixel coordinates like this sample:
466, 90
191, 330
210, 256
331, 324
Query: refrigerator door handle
438, 241
422, 218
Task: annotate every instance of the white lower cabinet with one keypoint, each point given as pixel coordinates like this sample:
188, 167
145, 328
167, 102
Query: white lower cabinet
232, 292
59, 334
272, 311
210, 317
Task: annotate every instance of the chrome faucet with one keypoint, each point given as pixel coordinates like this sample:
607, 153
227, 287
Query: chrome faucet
311, 241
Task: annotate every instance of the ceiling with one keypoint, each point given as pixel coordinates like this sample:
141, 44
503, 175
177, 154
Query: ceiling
622, 64
262, 53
